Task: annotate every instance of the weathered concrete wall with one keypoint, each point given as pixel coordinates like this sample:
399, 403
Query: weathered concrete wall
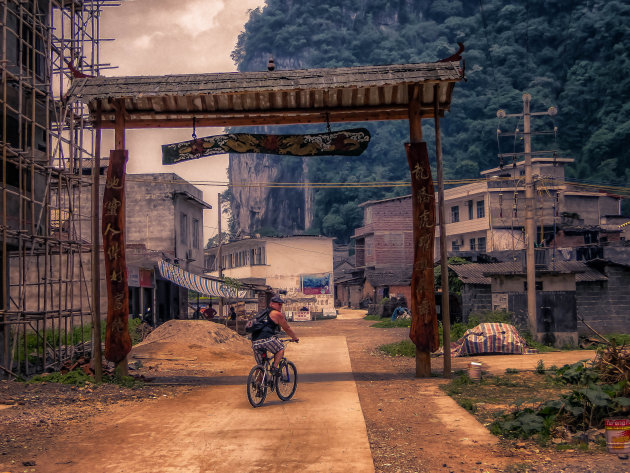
605, 306
590, 208
283, 261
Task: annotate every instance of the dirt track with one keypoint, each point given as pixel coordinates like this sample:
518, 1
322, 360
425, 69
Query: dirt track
411, 425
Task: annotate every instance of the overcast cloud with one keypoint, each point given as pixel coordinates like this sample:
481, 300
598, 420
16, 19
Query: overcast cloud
161, 37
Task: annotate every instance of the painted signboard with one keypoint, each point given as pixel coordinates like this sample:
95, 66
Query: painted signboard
335, 143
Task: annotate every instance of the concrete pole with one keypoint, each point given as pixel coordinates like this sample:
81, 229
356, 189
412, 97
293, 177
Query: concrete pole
446, 313
530, 224
220, 256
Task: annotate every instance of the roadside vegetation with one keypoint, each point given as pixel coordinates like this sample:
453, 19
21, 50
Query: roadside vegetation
73, 374
563, 406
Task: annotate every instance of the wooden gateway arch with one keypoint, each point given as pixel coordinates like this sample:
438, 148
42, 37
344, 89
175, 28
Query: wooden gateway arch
352, 94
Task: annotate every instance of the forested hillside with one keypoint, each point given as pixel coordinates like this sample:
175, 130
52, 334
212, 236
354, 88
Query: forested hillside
571, 54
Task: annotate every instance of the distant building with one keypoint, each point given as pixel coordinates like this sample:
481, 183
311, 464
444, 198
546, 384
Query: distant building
483, 217
163, 219
301, 266
488, 215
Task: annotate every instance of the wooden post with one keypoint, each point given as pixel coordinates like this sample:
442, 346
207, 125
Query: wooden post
97, 355
446, 314
419, 303
119, 132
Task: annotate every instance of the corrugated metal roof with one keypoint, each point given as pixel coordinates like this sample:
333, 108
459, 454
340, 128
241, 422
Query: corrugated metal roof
281, 96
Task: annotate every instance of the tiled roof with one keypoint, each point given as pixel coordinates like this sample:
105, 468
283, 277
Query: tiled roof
281, 96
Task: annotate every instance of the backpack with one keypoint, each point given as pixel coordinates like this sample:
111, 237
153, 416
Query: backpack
257, 323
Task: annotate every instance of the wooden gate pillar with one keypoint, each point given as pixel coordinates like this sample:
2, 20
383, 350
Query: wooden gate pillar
117, 340
424, 330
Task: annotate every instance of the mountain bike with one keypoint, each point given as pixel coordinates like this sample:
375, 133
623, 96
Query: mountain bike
261, 379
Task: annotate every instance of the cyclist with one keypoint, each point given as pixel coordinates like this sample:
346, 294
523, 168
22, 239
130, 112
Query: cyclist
266, 339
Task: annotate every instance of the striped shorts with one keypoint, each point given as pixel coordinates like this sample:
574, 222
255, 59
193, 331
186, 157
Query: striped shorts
264, 345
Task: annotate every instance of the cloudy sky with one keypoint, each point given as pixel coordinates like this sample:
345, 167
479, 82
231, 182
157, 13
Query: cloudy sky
156, 37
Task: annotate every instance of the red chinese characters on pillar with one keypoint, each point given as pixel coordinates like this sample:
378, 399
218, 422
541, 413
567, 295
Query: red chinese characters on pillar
117, 340
424, 327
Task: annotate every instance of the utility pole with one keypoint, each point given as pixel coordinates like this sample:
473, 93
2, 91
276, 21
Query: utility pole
530, 221
446, 312
219, 256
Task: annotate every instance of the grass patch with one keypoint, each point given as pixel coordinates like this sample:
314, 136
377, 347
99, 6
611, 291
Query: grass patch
79, 378
402, 348
388, 323
620, 338
372, 317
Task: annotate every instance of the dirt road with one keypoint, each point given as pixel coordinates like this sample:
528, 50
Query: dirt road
355, 410
214, 429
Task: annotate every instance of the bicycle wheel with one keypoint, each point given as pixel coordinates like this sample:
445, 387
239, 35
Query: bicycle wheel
286, 381
256, 388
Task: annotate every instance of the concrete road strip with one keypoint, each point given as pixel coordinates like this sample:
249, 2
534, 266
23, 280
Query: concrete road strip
214, 429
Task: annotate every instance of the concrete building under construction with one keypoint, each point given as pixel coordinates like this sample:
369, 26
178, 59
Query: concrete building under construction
47, 147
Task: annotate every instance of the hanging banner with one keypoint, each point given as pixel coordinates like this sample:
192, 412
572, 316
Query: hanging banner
337, 143
315, 283
117, 340
424, 326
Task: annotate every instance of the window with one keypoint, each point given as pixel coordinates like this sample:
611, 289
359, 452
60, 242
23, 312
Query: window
470, 210
481, 244
538, 285
455, 245
481, 210
455, 214
472, 244
195, 233
183, 228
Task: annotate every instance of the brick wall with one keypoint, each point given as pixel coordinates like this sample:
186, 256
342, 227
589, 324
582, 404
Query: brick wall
605, 306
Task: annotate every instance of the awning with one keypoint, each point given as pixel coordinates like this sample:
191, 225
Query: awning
198, 283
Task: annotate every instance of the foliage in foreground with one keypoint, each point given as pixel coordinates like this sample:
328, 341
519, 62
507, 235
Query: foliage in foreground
585, 406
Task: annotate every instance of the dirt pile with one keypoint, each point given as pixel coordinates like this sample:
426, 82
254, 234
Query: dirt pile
197, 334
192, 347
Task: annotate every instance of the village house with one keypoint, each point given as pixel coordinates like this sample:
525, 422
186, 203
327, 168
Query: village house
487, 218
164, 220
299, 267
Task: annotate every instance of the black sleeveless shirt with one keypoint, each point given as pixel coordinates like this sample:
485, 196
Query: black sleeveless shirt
270, 328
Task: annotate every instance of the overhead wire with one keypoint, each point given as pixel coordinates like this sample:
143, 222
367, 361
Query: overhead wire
623, 191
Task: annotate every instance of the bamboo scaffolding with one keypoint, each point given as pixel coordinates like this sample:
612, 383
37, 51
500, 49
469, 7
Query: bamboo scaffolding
45, 147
